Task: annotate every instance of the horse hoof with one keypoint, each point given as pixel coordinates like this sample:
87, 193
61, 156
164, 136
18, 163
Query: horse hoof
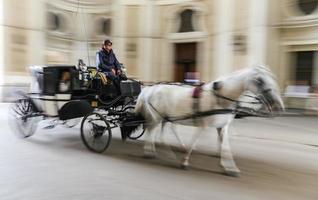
215, 156
232, 173
149, 156
184, 167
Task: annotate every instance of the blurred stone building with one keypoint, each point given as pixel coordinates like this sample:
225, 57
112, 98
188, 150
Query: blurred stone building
162, 40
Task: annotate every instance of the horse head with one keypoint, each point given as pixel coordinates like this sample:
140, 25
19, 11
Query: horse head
262, 82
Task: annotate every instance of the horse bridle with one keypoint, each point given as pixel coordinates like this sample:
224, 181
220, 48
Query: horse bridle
262, 99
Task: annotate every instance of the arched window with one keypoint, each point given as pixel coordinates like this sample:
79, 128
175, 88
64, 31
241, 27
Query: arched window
186, 21
307, 6
105, 26
54, 21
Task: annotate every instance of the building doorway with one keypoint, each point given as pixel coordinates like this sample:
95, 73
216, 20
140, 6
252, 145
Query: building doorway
185, 62
304, 68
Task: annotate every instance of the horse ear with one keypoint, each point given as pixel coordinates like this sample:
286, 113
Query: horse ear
217, 85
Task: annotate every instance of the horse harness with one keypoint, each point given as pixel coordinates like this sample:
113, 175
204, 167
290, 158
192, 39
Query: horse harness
263, 99
197, 93
196, 96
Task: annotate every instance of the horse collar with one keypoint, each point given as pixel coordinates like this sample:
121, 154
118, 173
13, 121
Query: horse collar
196, 95
197, 91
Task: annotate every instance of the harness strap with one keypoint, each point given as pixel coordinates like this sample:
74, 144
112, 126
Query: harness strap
196, 95
197, 91
163, 117
196, 107
262, 101
237, 101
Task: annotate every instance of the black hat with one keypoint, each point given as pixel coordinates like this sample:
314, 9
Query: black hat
106, 42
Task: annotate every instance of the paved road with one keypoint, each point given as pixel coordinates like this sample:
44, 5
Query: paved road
278, 159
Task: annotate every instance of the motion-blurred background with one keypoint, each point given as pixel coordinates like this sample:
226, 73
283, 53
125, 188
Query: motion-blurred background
167, 40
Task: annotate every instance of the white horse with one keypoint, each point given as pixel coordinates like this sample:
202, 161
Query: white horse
160, 102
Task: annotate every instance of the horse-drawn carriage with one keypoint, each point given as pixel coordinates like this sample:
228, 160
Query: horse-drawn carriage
87, 95
66, 94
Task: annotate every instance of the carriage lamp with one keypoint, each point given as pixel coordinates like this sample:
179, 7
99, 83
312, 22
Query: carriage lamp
94, 104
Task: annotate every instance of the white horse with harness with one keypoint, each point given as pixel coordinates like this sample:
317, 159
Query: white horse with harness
163, 102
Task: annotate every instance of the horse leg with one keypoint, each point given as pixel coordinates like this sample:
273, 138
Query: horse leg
219, 142
195, 138
149, 146
163, 143
161, 136
226, 160
184, 148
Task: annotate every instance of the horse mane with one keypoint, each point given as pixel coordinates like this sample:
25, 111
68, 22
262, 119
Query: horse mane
263, 69
259, 69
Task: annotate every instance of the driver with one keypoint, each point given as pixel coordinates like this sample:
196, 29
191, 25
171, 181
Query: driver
107, 63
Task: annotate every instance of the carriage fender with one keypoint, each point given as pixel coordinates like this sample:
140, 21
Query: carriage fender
75, 109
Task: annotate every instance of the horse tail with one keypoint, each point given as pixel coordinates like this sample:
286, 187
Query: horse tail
134, 120
130, 124
142, 101
139, 104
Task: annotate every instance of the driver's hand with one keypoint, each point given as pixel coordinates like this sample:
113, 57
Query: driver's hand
119, 72
114, 71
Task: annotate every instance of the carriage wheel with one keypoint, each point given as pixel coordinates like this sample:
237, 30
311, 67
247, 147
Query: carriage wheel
22, 125
137, 133
95, 132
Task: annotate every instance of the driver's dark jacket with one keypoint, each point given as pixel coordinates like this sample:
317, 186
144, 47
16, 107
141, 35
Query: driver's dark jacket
106, 61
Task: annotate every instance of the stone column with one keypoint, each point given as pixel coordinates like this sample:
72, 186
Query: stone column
146, 42
1, 49
1, 46
119, 30
315, 70
257, 32
81, 47
223, 48
36, 35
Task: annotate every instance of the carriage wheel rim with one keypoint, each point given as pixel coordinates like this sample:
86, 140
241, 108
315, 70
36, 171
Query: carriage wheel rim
95, 143
21, 125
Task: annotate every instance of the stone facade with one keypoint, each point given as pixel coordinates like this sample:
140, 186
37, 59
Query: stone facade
226, 35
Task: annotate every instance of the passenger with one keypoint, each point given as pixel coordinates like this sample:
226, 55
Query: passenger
65, 81
107, 63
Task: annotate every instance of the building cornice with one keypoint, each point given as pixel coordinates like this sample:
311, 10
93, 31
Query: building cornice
296, 41
86, 6
298, 23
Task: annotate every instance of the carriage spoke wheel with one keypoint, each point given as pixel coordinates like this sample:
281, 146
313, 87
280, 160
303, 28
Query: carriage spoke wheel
137, 133
95, 132
22, 125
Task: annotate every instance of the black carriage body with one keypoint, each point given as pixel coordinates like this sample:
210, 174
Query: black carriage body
85, 91
84, 86
52, 76
48, 78
54, 102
